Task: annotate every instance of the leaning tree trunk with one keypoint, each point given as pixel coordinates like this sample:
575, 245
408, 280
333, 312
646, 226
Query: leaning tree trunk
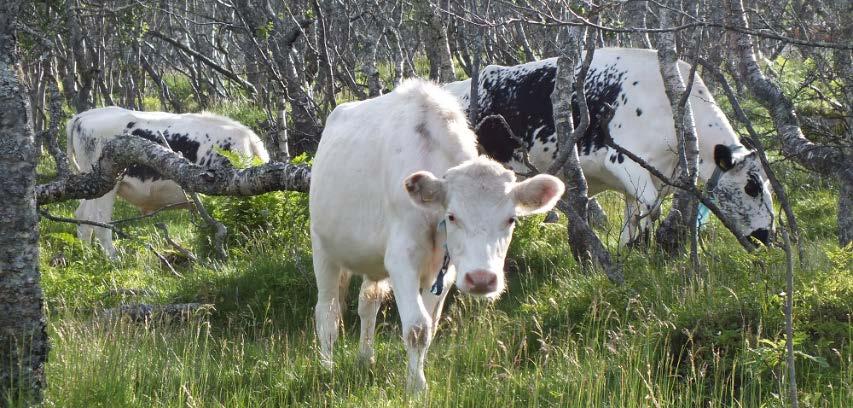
584, 243
832, 161
23, 339
561, 98
676, 228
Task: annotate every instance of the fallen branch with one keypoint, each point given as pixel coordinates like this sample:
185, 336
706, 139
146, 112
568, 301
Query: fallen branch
113, 228
162, 227
126, 150
146, 313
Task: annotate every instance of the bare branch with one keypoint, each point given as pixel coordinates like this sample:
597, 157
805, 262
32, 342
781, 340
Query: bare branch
207, 61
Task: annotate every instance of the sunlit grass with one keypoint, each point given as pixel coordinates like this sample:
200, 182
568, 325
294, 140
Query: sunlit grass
559, 337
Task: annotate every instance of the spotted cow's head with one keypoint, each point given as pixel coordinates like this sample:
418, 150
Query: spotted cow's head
741, 190
481, 202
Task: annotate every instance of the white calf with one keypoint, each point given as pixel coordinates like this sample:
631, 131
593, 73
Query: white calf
396, 186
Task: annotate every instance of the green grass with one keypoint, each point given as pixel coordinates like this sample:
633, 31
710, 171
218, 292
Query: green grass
559, 337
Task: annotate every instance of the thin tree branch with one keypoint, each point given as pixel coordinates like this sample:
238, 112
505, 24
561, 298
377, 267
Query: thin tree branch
747, 245
204, 59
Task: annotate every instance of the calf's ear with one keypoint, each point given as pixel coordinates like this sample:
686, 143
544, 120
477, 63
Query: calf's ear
426, 190
537, 194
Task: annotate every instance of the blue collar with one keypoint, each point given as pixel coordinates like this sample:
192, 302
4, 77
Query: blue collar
438, 287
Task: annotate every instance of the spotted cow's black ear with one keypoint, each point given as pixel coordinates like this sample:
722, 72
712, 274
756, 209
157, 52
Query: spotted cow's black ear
723, 157
495, 139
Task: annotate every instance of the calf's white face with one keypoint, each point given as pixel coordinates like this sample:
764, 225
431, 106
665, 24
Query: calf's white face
742, 192
481, 201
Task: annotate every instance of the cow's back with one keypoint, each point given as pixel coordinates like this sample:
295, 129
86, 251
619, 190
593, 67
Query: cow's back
366, 151
627, 79
198, 137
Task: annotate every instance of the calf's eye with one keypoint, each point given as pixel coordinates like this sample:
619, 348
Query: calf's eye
451, 217
511, 221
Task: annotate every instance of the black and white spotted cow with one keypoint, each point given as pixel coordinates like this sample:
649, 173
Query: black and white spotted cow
196, 136
630, 81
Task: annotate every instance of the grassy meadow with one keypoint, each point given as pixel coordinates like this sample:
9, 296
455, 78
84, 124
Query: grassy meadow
558, 337
669, 336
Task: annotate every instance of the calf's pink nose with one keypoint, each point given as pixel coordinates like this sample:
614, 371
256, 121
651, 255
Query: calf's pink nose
481, 281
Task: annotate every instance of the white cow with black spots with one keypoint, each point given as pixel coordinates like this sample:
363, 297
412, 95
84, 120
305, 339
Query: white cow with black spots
397, 184
629, 80
195, 136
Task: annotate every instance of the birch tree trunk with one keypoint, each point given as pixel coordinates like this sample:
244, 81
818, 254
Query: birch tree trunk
81, 67
843, 61
636, 16
584, 243
561, 99
23, 339
434, 35
474, 100
832, 161
675, 229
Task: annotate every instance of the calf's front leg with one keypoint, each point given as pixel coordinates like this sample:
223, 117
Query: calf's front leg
401, 262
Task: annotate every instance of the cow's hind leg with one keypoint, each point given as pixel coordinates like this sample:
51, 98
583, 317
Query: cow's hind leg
327, 313
641, 198
370, 299
343, 290
98, 210
84, 231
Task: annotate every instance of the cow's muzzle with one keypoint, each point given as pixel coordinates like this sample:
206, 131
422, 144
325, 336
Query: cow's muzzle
762, 235
481, 282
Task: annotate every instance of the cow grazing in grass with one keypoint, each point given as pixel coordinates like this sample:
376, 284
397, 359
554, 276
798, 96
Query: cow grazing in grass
630, 81
397, 184
196, 136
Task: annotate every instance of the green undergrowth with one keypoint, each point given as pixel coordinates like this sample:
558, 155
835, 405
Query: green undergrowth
559, 336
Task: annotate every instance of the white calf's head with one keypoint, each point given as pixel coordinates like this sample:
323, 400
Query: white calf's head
481, 202
741, 190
